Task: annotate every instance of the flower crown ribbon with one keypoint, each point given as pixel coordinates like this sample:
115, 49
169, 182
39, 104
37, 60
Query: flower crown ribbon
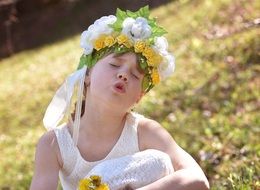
60, 105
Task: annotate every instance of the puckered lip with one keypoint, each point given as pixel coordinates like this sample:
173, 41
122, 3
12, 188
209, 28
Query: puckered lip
120, 87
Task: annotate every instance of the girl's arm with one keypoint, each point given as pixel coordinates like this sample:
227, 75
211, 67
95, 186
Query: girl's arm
188, 174
46, 164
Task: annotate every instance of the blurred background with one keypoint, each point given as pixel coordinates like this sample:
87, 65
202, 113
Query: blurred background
26, 24
210, 105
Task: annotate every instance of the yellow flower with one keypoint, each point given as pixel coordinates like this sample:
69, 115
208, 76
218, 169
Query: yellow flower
100, 42
96, 180
84, 184
148, 52
139, 46
121, 39
155, 76
151, 62
128, 44
154, 60
109, 41
103, 186
92, 183
158, 59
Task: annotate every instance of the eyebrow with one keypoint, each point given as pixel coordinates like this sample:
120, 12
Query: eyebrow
139, 69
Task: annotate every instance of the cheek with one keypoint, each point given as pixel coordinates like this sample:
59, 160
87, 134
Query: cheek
139, 85
100, 80
95, 82
137, 90
99, 74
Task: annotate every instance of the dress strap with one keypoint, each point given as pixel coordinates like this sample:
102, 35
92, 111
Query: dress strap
67, 149
133, 119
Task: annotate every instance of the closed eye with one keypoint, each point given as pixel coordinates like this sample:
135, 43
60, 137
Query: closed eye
113, 65
134, 75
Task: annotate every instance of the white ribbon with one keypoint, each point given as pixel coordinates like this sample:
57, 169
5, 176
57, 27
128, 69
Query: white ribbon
60, 104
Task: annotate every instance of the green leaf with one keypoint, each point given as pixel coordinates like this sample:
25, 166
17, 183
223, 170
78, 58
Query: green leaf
121, 49
82, 61
121, 15
93, 61
143, 63
149, 88
89, 61
117, 26
144, 12
158, 31
131, 14
145, 83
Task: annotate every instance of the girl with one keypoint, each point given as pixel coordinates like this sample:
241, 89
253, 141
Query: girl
124, 57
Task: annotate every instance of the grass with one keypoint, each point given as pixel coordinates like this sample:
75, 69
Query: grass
210, 105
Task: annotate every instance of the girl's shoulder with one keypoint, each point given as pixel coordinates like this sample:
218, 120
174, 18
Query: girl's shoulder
144, 123
150, 129
48, 146
148, 126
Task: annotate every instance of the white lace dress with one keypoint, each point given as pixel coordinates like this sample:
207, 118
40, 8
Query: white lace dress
76, 168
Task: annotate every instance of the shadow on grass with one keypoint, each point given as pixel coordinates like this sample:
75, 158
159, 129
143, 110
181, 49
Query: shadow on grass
58, 22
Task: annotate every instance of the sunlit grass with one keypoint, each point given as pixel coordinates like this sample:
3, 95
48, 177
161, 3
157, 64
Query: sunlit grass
210, 105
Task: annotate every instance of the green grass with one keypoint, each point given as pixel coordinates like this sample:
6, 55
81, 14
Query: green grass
210, 105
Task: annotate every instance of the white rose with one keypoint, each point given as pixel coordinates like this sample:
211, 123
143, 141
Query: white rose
136, 29
84, 43
166, 68
100, 26
128, 22
105, 20
160, 44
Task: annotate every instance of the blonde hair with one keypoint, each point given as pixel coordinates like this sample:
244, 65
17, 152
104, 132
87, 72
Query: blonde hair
83, 101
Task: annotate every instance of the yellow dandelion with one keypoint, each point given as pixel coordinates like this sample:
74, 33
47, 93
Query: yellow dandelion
151, 62
148, 52
92, 183
84, 184
121, 39
139, 46
100, 42
154, 60
128, 44
110, 41
158, 59
155, 76
103, 186
96, 180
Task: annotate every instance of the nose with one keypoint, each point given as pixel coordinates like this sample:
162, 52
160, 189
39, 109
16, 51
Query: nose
122, 76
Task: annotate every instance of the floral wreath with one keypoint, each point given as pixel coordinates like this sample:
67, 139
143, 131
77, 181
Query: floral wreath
129, 32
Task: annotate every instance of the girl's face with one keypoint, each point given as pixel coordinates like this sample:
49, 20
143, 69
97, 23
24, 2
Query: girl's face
116, 80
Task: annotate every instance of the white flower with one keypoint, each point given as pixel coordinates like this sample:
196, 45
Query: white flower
88, 47
100, 26
160, 44
166, 68
136, 29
